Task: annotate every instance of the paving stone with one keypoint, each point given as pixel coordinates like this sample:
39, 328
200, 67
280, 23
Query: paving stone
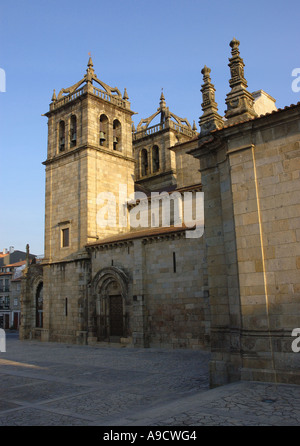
43, 384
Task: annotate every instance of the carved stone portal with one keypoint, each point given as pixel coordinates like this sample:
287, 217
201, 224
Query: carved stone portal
107, 310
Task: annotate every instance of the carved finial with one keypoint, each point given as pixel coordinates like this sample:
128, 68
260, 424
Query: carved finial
206, 72
194, 126
239, 101
125, 96
210, 120
90, 70
53, 99
90, 62
133, 128
235, 46
162, 103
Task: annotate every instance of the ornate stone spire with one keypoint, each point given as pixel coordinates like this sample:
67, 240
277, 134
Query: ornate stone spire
210, 120
239, 101
88, 78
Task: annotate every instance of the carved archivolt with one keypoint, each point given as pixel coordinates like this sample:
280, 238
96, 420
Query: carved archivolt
105, 277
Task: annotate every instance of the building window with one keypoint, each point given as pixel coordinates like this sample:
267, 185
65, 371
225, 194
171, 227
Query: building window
73, 131
61, 136
117, 135
39, 306
155, 159
103, 138
144, 162
65, 237
6, 302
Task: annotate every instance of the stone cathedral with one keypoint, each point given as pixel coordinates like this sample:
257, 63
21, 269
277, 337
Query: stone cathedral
234, 290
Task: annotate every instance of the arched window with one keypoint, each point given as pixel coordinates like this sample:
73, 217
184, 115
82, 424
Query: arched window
117, 135
62, 136
144, 162
103, 137
73, 131
39, 306
155, 159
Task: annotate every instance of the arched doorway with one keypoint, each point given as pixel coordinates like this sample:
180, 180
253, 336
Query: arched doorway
115, 310
108, 304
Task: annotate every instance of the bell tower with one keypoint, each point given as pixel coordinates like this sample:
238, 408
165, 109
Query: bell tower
155, 164
89, 152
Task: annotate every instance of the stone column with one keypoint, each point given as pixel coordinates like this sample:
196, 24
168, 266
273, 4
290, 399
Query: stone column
223, 285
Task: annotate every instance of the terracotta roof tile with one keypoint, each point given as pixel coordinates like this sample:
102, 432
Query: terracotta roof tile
149, 232
22, 262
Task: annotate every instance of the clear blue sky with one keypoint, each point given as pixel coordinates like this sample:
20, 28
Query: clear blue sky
141, 45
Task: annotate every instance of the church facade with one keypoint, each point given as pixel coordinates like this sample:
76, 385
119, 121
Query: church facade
123, 263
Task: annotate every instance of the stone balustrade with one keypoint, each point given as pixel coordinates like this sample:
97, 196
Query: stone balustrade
158, 127
93, 90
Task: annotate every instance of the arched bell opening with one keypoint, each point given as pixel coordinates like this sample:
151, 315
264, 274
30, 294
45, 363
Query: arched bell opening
117, 135
103, 135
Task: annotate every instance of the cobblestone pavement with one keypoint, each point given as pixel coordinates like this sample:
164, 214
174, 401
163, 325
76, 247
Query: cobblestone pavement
49, 384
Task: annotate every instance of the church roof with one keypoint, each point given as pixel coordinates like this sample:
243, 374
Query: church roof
144, 233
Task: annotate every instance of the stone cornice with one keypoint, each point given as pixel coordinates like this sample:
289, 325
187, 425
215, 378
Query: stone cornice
77, 150
278, 117
155, 175
217, 138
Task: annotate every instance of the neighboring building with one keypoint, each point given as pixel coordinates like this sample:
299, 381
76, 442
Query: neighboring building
11, 255
235, 290
10, 294
15, 293
5, 278
12, 265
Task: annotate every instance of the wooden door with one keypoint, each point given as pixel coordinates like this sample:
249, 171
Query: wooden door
116, 315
